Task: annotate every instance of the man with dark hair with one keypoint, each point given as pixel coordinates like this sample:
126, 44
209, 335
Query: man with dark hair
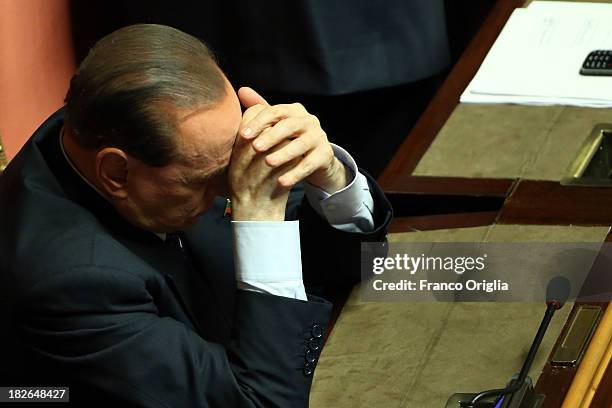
121, 273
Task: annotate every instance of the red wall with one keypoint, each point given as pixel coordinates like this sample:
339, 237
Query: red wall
36, 63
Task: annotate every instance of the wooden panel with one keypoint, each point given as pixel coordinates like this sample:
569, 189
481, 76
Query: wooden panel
555, 382
549, 203
603, 396
427, 203
442, 221
411, 205
405, 183
447, 97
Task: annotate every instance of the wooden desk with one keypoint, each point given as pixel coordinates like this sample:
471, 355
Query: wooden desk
432, 188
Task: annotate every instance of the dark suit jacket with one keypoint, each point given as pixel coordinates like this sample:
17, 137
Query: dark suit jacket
321, 47
313, 47
92, 302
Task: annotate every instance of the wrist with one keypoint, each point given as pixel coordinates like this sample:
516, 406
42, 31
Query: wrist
257, 211
336, 177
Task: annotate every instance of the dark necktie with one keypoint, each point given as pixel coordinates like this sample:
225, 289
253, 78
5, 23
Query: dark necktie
198, 294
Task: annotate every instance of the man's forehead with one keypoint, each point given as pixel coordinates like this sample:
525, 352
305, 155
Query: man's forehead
208, 134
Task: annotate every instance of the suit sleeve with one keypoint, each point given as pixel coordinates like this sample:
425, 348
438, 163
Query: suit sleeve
331, 258
99, 329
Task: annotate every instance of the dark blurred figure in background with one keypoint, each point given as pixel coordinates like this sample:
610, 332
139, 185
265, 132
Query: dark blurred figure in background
365, 68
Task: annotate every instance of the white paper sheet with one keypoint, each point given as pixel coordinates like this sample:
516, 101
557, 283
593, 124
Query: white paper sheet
537, 57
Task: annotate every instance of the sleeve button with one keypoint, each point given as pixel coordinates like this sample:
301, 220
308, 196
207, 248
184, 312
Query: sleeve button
308, 370
314, 344
317, 331
310, 356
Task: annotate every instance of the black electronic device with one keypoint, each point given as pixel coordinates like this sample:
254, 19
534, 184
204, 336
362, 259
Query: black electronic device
598, 62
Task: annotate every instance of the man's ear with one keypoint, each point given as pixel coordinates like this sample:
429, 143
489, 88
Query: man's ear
112, 171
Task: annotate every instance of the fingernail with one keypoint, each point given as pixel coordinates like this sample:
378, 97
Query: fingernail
246, 131
258, 144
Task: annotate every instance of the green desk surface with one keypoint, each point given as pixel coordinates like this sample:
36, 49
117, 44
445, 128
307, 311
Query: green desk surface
418, 354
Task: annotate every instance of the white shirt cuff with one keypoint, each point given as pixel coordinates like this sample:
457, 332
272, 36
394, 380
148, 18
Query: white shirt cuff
349, 209
268, 258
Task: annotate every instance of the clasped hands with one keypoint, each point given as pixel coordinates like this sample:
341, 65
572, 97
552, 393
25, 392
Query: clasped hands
277, 147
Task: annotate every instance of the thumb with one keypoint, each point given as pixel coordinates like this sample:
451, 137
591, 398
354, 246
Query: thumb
248, 97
